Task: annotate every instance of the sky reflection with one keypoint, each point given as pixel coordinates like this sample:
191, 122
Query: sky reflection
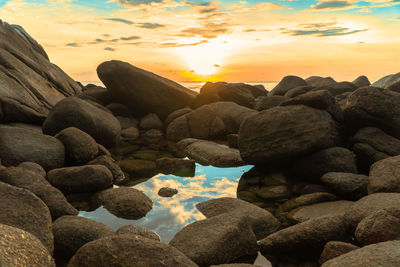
169, 215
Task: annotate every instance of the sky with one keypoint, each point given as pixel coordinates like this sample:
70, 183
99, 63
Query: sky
226, 40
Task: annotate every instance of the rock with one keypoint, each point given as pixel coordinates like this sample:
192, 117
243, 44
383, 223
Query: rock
138, 230
299, 90
371, 203
72, 232
22, 209
138, 168
385, 176
334, 249
127, 122
348, 185
317, 99
338, 88
381, 254
167, 192
379, 226
31, 84
306, 213
119, 109
342, 99
153, 135
118, 175
151, 121
210, 153
131, 133
79, 146
176, 114
318, 81
103, 151
267, 102
395, 87
176, 166
142, 91
20, 248
362, 81
308, 237
261, 221
334, 159
219, 239
285, 133
232, 140
83, 179
96, 94
236, 265
371, 106
287, 83
19, 145
129, 250
125, 202
387, 81
75, 112
37, 184
33, 167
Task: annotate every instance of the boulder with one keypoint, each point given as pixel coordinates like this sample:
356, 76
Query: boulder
334, 249
387, 81
37, 184
21, 248
142, 91
72, 232
30, 84
118, 175
338, 88
267, 102
127, 122
219, 239
119, 109
385, 176
22, 209
381, 254
129, 250
131, 133
347, 185
33, 167
19, 145
176, 166
176, 114
96, 94
318, 81
151, 121
75, 112
261, 221
362, 81
395, 87
210, 153
299, 90
125, 202
79, 146
287, 83
232, 140
82, 179
371, 106
284, 133
167, 192
138, 230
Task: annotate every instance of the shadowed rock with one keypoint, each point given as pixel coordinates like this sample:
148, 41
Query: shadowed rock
287, 83
138, 230
334, 249
385, 176
362, 81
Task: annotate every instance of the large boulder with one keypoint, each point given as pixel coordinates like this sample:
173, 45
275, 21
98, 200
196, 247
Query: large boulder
33, 167
362, 81
19, 145
381, 254
283, 133
387, 81
142, 91
270, 101
347, 185
338, 88
118, 175
219, 239
318, 81
287, 83
385, 176
30, 84
37, 184
21, 248
75, 112
371, 106
334, 249
22, 209
129, 250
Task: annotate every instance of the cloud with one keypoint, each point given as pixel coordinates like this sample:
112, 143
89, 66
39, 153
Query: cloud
121, 20
74, 44
182, 45
148, 25
137, 2
209, 30
130, 38
321, 30
332, 5
109, 49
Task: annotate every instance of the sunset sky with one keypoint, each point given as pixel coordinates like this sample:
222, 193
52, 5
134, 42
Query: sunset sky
229, 40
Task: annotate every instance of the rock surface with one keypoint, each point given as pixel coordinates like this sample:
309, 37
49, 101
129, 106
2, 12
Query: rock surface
385, 176
287, 83
334, 249
348, 185
176, 166
167, 192
138, 230
387, 81
362, 81
33, 167
118, 175
151, 121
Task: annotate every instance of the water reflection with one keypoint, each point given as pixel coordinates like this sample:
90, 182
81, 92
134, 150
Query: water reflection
169, 215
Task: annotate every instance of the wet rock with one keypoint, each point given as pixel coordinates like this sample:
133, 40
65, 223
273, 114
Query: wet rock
362, 81
334, 249
37, 184
125, 202
72, 232
79, 146
379, 226
318, 81
75, 112
138, 168
22, 209
167, 192
219, 239
138, 230
267, 102
381, 254
261, 221
119, 109
118, 175
83, 179
20, 248
284, 133
385, 176
131, 133
33, 167
151, 121
287, 83
387, 81
19, 145
176, 114
348, 185
334, 159
142, 91
129, 250
210, 153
